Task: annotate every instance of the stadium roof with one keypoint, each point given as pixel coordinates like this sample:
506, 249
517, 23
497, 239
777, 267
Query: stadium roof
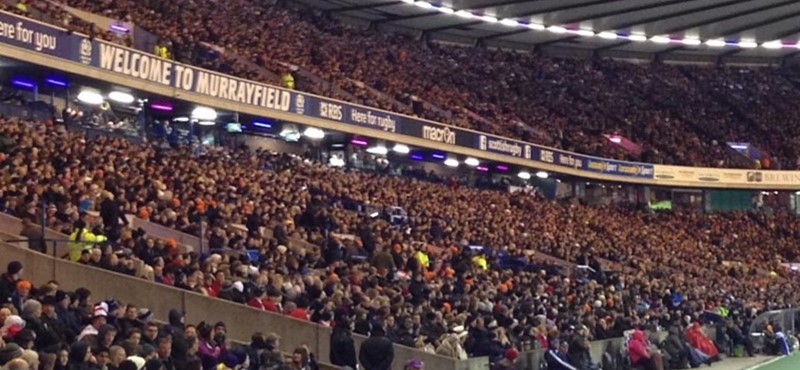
746, 31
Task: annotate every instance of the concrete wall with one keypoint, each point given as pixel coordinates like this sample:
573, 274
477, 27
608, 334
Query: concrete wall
241, 321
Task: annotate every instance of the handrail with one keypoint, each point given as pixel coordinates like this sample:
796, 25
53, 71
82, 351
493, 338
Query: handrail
162, 298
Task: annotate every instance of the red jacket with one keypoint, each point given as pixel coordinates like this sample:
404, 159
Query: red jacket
637, 347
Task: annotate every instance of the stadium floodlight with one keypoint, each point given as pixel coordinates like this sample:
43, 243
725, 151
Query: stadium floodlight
445, 9
716, 43
509, 22
489, 18
536, 26
776, 44
557, 29
464, 14
637, 37
584, 33
121, 97
451, 162
401, 148
660, 39
90, 97
542, 175
691, 41
472, 162
423, 4
607, 35
378, 150
525, 175
747, 44
313, 133
204, 114
206, 123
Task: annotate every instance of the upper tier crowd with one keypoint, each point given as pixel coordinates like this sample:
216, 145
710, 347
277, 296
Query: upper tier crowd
467, 271
564, 103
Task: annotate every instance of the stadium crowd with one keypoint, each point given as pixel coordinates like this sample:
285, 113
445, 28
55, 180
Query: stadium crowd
456, 276
45, 327
565, 103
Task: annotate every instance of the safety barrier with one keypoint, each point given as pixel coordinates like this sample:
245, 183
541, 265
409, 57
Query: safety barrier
241, 320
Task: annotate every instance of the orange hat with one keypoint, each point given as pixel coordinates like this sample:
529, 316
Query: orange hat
449, 272
446, 307
503, 288
176, 202
333, 276
144, 213
397, 248
172, 243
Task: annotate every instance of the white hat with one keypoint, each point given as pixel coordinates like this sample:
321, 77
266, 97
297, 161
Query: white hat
138, 361
238, 286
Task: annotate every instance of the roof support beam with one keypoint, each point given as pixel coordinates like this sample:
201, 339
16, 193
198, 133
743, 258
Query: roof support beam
397, 18
762, 23
457, 25
559, 8
623, 11
364, 7
657, 18
504, 34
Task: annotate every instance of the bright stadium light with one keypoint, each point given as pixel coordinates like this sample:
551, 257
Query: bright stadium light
204, 113
525, 175
776, 44
660, 39
451, 162
401, 148
378, 150
716, 43
607, 35
90, 97
313, 133
472, 162
121, 97
542, 175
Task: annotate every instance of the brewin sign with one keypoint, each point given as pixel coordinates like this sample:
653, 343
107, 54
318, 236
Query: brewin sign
774, 177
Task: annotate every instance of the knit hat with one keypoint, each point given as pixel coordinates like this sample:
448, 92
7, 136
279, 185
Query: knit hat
414, 363
9, 352
512, 354
61, 295
138, 361
14, 267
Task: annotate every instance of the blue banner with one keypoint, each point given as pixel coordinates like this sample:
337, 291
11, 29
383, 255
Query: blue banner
34, 36
31, 35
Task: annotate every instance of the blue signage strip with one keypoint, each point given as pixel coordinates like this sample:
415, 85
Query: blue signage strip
37, 37
27, 34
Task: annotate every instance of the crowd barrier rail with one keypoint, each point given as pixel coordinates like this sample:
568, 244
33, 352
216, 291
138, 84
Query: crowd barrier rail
242, 321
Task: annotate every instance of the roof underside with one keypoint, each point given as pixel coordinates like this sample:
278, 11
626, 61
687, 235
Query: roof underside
758, 20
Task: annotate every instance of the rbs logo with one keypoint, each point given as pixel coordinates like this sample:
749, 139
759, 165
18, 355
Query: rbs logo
330, 111
547, 156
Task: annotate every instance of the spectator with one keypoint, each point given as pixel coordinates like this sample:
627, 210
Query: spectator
9, 279
343, 350
376, 352
508, 361
556, 355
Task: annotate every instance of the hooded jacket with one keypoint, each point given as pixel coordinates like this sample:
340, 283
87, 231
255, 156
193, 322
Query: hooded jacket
343, 349
377, 352
77, 356
637, 347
